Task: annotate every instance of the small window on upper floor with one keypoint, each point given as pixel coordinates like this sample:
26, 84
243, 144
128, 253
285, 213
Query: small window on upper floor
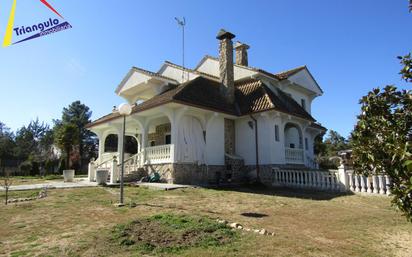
303, 103
276, 133
168, 139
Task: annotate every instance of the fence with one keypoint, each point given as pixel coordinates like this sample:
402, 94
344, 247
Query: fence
321, 180
333, 180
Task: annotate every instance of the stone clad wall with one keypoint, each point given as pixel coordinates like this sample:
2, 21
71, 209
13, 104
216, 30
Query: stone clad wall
159, 135
229, 136
165, 171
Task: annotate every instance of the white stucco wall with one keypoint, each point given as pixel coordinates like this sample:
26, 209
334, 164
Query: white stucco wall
215, 141
211, 66
298, 95
245, 140
305, 79
311, 141
176, 74
278, 151
270, 150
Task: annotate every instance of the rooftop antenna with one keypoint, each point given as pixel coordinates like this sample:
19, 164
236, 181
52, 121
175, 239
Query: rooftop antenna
182, 24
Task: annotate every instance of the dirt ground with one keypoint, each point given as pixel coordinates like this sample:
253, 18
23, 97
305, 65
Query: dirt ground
78, 222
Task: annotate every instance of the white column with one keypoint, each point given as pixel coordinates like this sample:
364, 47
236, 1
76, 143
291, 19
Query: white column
388, 184
368, 184
381, 187
343, 178
114, 174
101, 135
375, 184
91, 171
363, 183
357, 183
119, 142
351, 187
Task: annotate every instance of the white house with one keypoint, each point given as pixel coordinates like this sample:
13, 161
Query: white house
217, 121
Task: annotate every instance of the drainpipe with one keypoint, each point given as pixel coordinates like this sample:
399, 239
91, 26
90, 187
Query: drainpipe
257, 149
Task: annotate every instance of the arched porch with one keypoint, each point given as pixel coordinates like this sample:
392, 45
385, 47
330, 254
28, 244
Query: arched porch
294, 153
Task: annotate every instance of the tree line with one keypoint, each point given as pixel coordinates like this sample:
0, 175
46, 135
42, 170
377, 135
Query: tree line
38, 148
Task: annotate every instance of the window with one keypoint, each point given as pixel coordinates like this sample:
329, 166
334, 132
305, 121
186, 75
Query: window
306, 144
303, 103
168, 139
276, 133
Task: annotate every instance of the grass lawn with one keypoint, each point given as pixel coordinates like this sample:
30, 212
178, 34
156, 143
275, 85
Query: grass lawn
83, 222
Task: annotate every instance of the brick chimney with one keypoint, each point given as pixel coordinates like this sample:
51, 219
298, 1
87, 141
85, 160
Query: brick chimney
241, 53
226, 65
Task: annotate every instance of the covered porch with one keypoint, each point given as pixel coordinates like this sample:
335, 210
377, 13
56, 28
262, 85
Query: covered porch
163, 135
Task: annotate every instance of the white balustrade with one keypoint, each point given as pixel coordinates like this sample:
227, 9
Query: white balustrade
388, 185
368, 182
375, 184
381, 187
331, 180
159, 154
305, 179
294, 155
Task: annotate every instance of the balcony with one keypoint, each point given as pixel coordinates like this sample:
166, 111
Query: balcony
294, 155
158, 154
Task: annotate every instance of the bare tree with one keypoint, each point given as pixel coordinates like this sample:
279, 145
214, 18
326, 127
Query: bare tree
6, 183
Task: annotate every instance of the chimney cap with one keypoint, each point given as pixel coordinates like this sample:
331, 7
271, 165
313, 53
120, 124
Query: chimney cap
239, 44
222, 34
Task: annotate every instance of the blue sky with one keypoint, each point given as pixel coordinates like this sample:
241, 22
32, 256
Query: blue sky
350, 46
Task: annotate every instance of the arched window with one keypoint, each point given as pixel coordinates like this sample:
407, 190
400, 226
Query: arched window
110, 144
293, 136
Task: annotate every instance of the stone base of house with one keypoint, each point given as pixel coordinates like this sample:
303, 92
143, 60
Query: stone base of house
191, 174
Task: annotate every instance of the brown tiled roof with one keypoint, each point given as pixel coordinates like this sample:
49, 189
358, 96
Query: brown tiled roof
203, 92
318, 126
286, 74
252, 96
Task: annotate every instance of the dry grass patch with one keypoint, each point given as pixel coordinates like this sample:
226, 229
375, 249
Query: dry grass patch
79, 222
169, 233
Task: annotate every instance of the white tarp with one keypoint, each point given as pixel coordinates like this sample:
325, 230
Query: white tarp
191, 143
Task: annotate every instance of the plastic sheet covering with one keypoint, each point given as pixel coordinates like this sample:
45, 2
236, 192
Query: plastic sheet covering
191, 143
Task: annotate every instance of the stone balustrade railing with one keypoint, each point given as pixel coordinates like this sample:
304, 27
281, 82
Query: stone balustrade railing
373, 184
294, 155
133, 163
332, 180
149, 155
320, 180
158, 154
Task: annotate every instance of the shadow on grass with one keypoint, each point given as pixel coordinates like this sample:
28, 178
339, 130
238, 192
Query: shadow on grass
284, 192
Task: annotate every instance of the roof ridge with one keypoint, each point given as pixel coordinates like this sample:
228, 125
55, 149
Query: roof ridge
151, 73
299, 67
189, 69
